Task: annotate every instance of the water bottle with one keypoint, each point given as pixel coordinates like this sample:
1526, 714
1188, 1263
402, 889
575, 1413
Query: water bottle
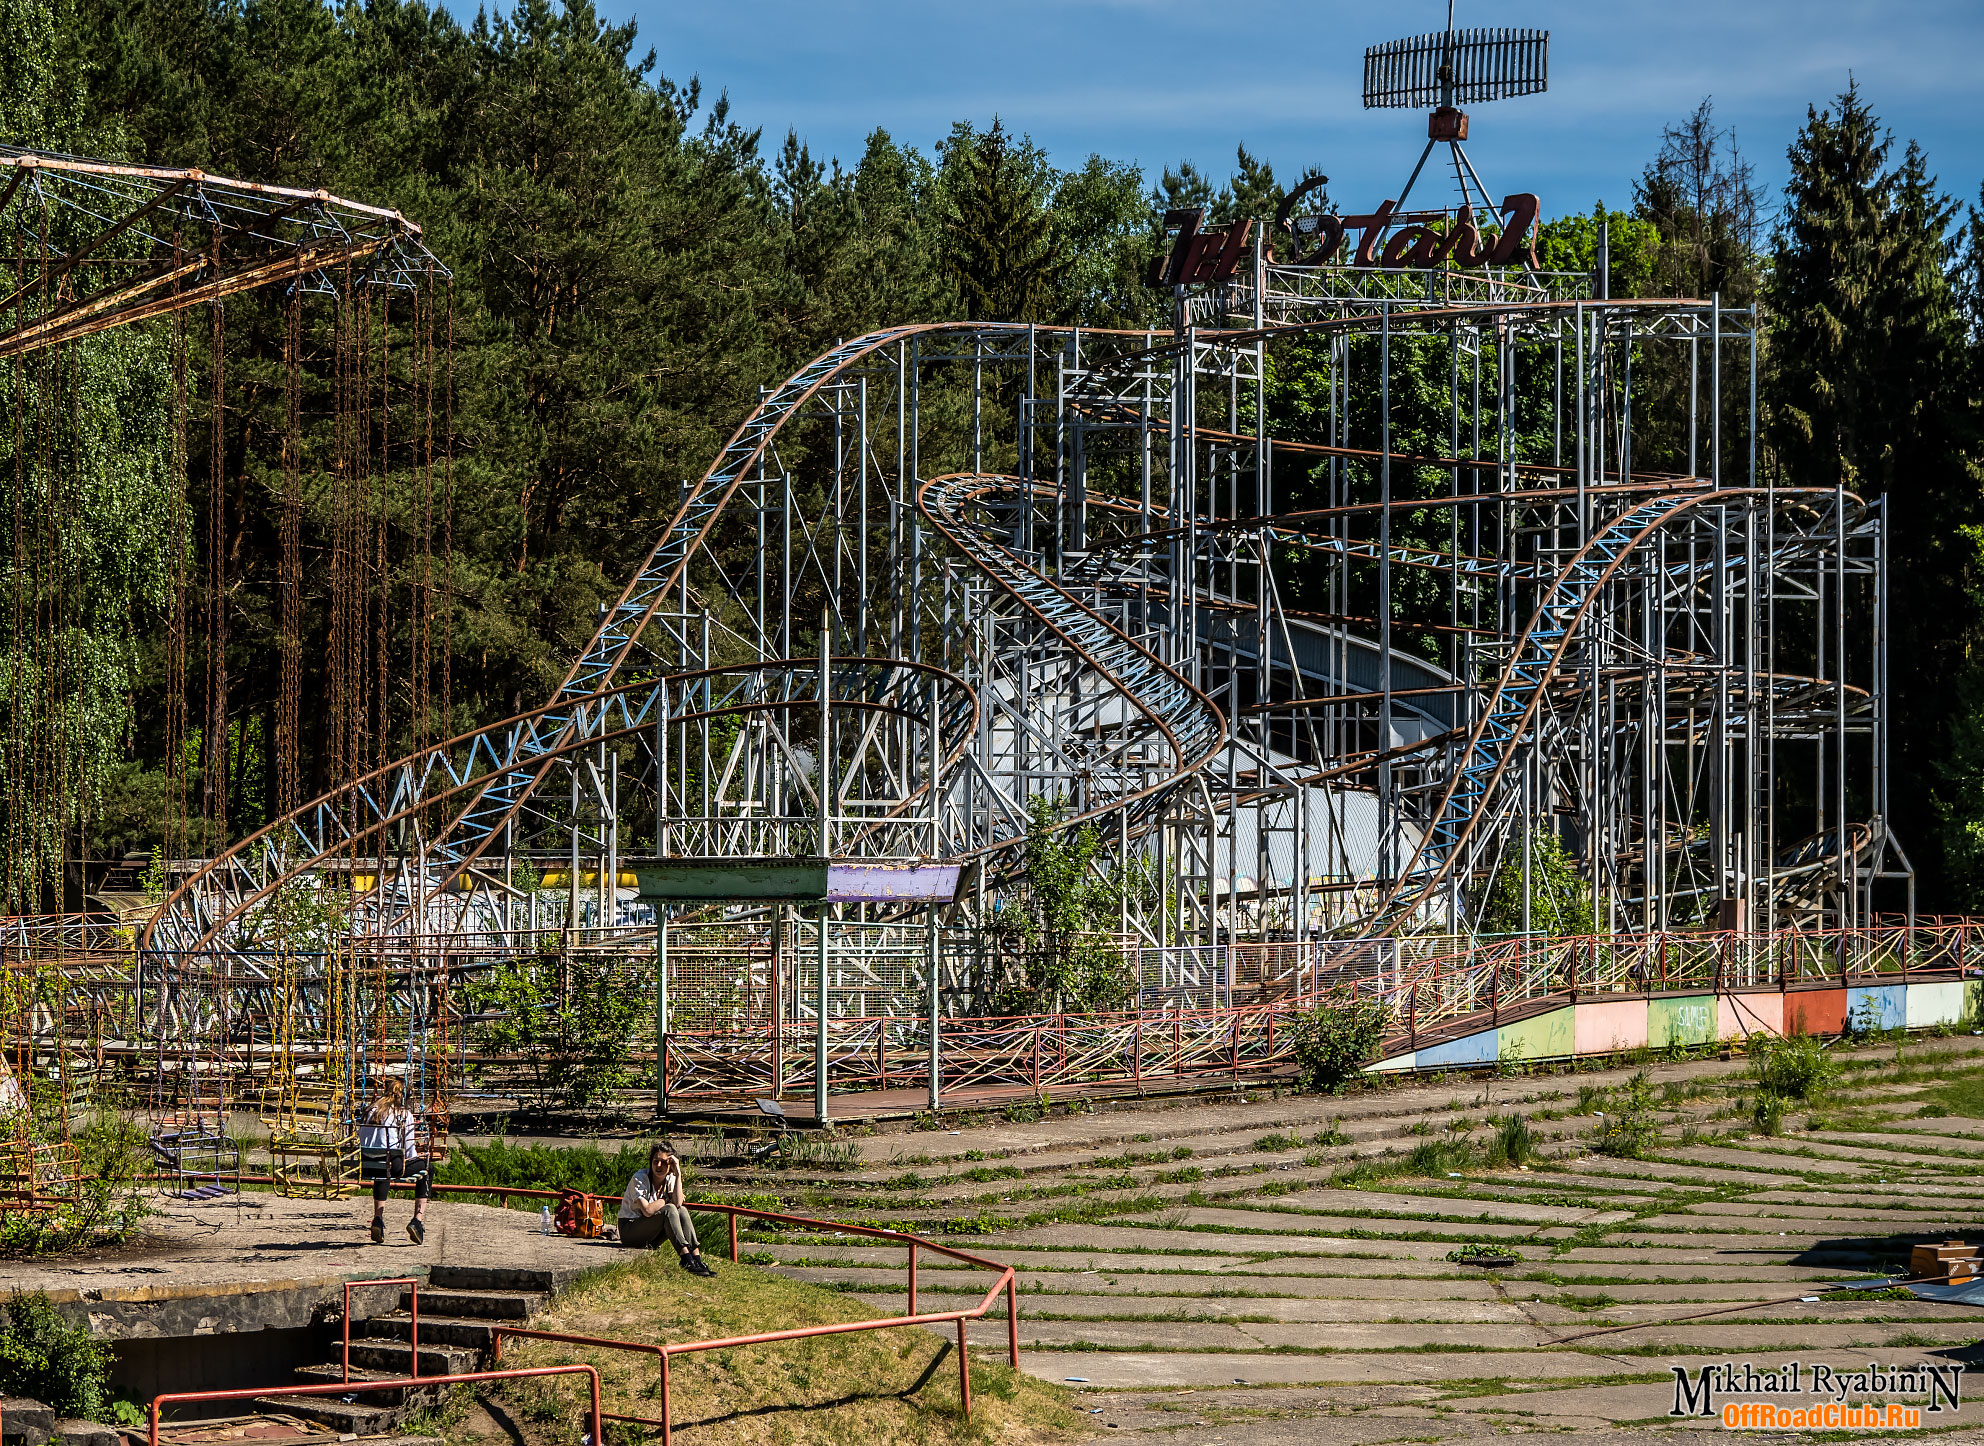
546, 1227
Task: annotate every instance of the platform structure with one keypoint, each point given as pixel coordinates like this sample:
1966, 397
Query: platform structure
823, 882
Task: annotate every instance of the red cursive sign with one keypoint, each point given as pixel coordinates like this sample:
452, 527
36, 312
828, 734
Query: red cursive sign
1198, 255
1416, 243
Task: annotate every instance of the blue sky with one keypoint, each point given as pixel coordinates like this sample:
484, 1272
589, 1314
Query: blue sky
1156, 81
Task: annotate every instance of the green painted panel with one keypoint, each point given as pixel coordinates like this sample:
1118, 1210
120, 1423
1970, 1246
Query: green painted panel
1687, 1020
791, 879
1543, 1036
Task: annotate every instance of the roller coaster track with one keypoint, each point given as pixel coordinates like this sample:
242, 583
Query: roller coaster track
504, 763
1190, 722
496, 769
1509, 710
374, 815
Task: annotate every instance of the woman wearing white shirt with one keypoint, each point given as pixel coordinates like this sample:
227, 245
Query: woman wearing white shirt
655, 1205
388, 1151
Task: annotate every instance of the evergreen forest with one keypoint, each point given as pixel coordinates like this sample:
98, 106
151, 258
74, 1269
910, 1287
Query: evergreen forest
630, 264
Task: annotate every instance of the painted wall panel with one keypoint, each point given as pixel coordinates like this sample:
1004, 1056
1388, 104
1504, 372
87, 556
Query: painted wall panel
1688, 1019
1610, 1027
1877, 1006
1939, 1003
1543, 1036
1814, 1011
1469, 1049
1740, 1014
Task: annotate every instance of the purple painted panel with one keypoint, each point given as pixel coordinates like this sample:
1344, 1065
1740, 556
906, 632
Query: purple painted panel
860, 883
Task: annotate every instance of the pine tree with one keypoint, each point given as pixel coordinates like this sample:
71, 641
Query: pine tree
999, 245
1833, 271
1970, 278
1252, 193
1701, 196
1866, 389
1185, 188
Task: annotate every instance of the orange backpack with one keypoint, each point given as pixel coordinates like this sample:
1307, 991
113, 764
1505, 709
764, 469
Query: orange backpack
578, 1214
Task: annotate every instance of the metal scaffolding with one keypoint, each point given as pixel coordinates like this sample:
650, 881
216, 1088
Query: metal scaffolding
1399, 594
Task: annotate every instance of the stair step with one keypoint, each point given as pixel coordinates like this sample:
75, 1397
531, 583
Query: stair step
343, 1416
489, 1304
502, 1277
394, 1357
435, 1330
331, 1372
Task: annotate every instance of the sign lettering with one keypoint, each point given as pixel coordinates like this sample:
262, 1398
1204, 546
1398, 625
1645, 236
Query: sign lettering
1198, 256
1207, 256
1414, 244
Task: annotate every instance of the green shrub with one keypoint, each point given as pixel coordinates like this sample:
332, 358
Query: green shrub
543, 1167
1632, 1130
569, 1022
1514, 1142
1334, 1041
1559, 897
42, 1356
1794, 1069
106, 1208
1767, 1114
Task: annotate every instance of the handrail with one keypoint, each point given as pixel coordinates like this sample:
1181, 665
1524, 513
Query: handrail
413, 1357
339, 1388
1007, 1284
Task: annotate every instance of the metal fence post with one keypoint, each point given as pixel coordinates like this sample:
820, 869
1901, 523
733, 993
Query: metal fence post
936, 1012
661, 1008
820, 1030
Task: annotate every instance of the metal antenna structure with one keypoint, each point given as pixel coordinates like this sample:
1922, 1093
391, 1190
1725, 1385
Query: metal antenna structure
1448, 68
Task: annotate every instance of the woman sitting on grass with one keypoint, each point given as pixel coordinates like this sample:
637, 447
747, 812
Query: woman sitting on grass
654, 1205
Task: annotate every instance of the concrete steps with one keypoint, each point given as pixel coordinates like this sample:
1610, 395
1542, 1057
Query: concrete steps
460, 1308
1273, 1267
511, 1305
332, 1373
344, 1417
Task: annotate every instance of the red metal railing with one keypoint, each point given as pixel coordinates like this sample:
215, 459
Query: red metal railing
413, 1357
1007, 1284
1231, 1023
341, 1388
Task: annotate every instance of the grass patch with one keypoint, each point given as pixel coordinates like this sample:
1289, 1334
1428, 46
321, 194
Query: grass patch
896, 1386
1797, 1068
543, 1167
1143, 1157
1963, 1095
